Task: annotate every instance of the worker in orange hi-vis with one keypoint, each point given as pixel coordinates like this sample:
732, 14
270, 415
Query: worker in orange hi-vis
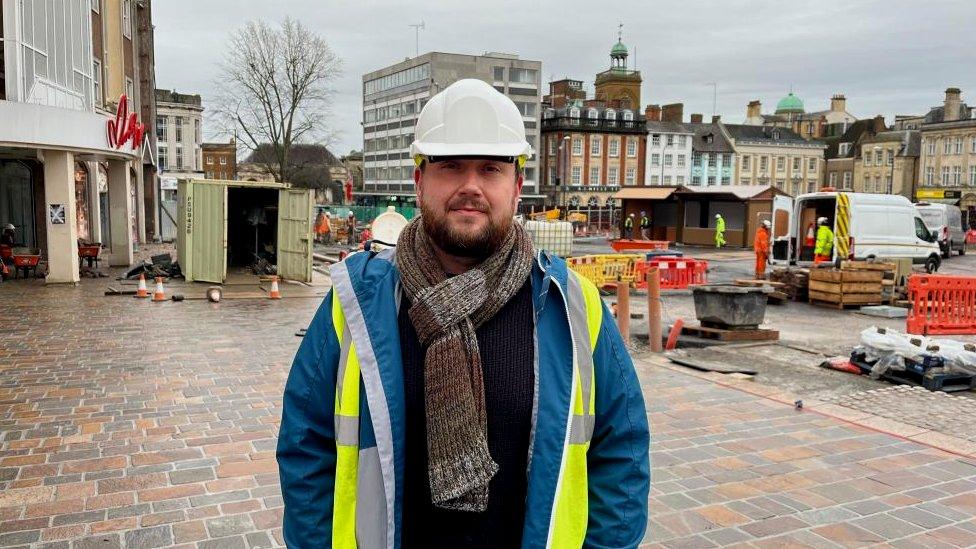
761, 246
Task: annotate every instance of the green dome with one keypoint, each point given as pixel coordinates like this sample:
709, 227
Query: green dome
618, 50
789, 104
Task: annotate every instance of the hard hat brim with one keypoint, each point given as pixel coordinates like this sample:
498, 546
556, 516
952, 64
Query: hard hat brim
470, 149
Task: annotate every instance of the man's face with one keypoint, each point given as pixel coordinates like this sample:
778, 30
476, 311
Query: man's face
467, 204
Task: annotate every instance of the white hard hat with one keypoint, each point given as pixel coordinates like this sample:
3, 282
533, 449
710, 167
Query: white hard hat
821, 220
470, 118
766, 223
718, 216
9, 226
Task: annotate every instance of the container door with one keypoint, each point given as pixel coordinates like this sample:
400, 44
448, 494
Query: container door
782, 237
205, 227
295, 234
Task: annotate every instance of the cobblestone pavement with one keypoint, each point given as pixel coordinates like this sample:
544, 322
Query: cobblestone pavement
932, 410
128, 423
732, 468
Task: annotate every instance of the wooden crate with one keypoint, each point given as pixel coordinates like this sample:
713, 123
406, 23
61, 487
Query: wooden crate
867, 266
846, 287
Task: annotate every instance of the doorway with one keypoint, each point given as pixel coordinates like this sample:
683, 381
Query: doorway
252, 226
17, 201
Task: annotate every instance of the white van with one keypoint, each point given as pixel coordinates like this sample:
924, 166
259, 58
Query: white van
864, 225
946, 221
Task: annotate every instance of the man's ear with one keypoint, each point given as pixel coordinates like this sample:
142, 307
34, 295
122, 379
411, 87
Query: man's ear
418, 183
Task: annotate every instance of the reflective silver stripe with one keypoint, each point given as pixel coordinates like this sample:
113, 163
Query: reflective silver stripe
581, 429
344, 347
370, 504
581, 335
375, 395
347, 430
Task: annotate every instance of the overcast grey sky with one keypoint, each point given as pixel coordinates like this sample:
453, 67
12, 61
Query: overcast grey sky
887, 56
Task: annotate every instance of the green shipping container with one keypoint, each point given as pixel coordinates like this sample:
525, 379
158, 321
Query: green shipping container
231, 223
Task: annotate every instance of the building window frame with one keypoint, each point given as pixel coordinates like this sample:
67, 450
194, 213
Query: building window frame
614, 150
98, 94
745, 162
612, 173
630, 176
780, 164
594, 175
595, 145
127, 19
575, 175
631, 148
577, 146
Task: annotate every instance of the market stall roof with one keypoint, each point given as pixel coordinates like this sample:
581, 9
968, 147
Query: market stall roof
742, 192
646, 193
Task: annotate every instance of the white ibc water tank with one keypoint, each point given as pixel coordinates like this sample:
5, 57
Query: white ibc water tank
556, 237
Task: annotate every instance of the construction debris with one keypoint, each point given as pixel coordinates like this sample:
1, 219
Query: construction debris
795, 282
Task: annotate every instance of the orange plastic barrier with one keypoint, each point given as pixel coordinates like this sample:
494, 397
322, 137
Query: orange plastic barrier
676, 272
941, 305
607, 270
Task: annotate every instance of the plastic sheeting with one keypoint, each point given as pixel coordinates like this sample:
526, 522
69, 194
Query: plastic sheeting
888, 350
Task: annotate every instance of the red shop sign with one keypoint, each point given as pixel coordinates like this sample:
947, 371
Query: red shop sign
125, 127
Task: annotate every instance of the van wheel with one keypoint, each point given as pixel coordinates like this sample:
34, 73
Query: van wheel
932, 264
962, 250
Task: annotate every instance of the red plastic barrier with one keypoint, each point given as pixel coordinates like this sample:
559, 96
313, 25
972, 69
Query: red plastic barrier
971, 236
676, 272
941, 305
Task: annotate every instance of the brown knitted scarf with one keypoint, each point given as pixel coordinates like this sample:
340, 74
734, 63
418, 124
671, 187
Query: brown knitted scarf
446, 311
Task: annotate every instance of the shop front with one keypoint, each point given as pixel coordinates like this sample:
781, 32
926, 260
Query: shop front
62, 182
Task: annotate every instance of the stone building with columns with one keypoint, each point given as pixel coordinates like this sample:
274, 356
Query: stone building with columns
66, 174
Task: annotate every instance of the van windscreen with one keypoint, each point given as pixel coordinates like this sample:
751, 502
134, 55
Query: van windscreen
932, 217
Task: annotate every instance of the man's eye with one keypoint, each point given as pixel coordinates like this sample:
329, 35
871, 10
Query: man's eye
492, 168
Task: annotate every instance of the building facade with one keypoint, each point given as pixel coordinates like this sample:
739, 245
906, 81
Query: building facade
947, 160
790, 113
842, 152
219, 160
888, 163
776, 156
65, 174
589, 153
713, 157
593, 147
179, 135
394, 96
669, 147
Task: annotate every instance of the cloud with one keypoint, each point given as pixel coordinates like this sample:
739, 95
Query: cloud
887, 56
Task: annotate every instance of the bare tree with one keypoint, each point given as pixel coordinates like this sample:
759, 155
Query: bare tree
275, 90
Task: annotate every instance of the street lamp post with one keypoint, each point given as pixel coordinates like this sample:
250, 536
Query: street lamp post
562, 169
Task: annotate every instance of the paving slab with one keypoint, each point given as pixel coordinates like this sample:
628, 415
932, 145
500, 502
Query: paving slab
124, 422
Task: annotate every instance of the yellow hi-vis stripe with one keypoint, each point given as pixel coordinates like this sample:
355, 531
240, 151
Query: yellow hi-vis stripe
572, 497
842, 236
347, 455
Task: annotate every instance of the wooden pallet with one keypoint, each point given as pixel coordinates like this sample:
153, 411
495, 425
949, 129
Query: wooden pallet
755, 334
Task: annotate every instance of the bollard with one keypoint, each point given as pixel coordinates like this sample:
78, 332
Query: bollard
623, 311
654, 309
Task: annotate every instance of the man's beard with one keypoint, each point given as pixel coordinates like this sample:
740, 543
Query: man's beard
461, 244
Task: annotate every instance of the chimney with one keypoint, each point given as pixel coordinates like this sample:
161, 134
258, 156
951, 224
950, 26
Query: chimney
696, 118
952, 104
879, 124
838, 103
716, 119
754, 109
673, 112
653, 113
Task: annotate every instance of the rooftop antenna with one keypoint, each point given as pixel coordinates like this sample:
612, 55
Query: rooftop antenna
714, 86
620, 32
417, 27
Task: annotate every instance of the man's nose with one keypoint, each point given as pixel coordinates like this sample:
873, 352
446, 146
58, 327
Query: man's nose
470, 182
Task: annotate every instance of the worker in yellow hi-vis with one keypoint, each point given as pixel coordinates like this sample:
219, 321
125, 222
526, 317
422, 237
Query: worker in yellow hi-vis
719, 231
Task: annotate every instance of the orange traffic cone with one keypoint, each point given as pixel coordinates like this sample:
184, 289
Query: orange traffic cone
159, 294
142, 291
274, 293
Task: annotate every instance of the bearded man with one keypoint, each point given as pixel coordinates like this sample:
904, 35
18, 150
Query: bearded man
462, 389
